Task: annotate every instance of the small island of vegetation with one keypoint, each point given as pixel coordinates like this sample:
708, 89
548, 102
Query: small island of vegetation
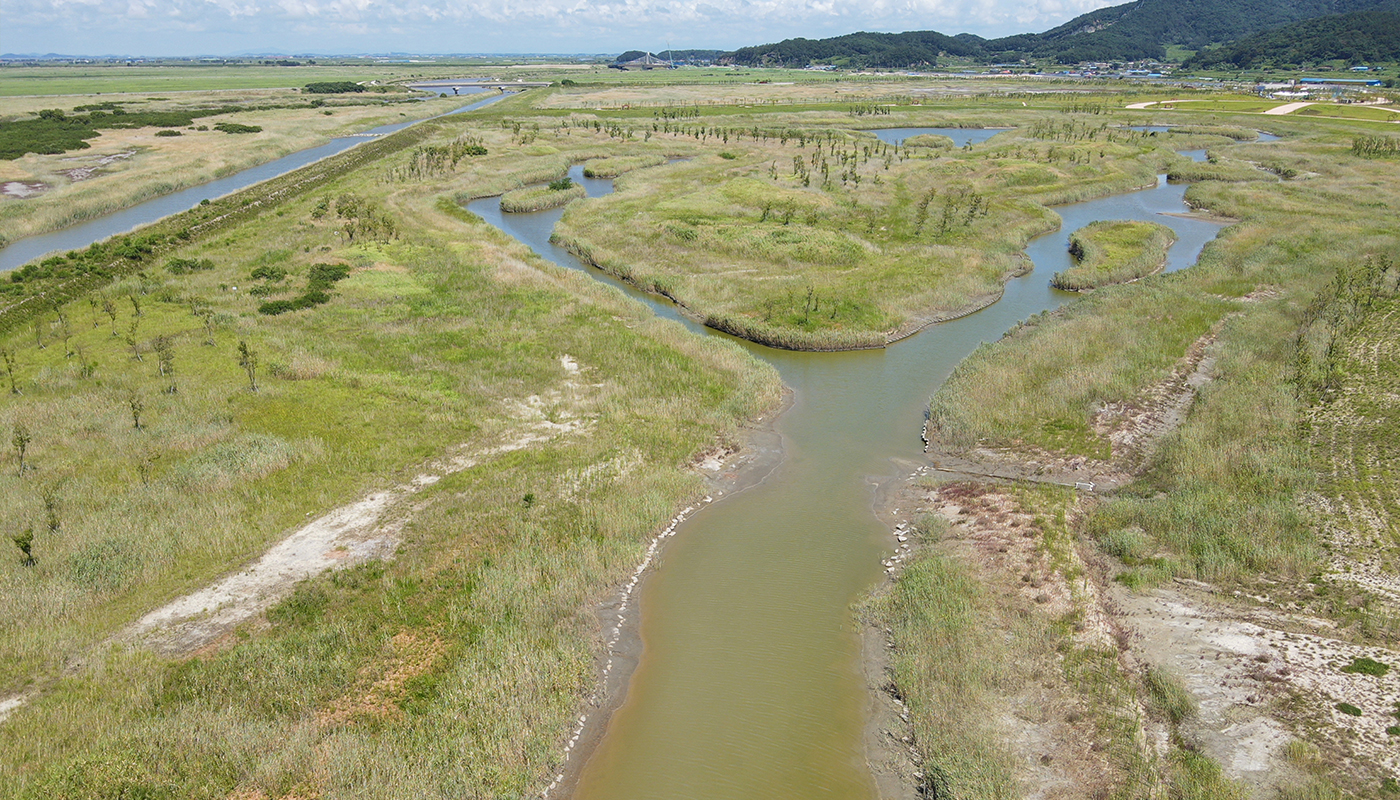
538, 198
1114, 252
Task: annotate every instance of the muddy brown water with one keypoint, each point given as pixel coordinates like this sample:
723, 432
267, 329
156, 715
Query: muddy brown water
749, 684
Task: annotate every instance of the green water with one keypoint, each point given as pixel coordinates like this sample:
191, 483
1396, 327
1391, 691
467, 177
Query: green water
748, 686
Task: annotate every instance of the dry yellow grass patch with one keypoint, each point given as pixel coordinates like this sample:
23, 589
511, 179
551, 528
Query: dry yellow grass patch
383, 684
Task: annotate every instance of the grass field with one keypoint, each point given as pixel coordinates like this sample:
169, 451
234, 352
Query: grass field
445, 338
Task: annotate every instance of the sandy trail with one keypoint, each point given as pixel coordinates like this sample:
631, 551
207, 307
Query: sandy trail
366, 529
1287, 108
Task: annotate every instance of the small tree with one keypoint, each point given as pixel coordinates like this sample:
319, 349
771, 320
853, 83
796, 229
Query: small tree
135, 304
85, 368
137, 405
21, 440
165, 356
39, 332
110, 309
25, 543
50, 497
131, 339
64, 331
207, 314
10, 369
248, 360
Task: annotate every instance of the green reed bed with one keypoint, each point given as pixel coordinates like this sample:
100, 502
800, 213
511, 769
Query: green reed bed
1114, 252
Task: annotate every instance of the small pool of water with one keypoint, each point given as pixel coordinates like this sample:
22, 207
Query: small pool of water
960, 136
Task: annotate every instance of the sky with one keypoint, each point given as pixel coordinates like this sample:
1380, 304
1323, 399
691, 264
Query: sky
228, 27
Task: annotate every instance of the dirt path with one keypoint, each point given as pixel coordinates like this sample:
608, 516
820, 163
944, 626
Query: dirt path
366, 529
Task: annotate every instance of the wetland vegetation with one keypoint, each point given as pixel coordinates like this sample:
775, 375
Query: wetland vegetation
400, 336
1114, 252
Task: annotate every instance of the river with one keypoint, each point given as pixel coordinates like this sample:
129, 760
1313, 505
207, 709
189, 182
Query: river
749, 684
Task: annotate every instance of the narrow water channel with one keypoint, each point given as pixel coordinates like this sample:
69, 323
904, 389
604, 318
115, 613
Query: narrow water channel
748, 686
22, 251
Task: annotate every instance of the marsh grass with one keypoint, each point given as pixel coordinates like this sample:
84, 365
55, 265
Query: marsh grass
1114, 252
539, 198
613, 167
949, 674
1220, 499
422, 349
808, 238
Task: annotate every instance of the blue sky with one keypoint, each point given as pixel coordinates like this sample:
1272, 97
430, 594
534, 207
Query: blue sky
221, 27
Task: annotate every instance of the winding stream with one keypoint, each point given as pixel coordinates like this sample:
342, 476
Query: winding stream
749, 686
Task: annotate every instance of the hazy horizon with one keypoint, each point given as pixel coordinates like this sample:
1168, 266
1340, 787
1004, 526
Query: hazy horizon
186, 28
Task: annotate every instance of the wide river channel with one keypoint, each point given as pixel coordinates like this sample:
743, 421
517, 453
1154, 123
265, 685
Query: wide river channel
749, 685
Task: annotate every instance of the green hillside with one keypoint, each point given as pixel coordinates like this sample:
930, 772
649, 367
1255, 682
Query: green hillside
1130, 32
1361, 37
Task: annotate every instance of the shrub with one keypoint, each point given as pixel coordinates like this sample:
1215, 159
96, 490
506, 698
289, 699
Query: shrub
182, 266
1366, 666
1349, 709
168, 132
334, 87
234, 127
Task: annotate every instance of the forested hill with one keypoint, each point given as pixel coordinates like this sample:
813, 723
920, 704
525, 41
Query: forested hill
1129, 32
1360, 37
916, 48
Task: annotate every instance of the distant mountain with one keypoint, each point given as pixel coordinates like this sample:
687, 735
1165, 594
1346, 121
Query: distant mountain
1361, 37
913, 49
1130, 32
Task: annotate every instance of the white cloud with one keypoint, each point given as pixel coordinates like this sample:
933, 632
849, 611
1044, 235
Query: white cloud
212, 26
